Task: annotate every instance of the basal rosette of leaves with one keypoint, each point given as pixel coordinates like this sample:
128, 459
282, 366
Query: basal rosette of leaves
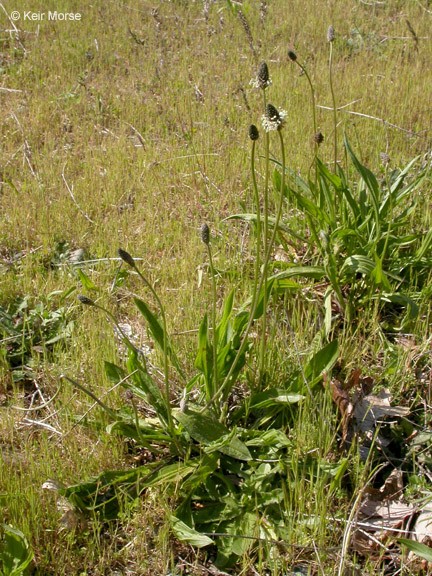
362, 240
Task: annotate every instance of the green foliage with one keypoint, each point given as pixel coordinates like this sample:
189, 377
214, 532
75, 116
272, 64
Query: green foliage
418, 548
361, 239
27, 328
224, 462
15, 553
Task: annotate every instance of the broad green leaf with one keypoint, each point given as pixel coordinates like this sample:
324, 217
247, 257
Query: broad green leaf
224, 328
312, 209
158, 333
418, 548
274, 397
103, 493
142, 384
207, 465
171, 473
229, 444
281, 285
425, 245
315, 272
322, 361
187, 534
203, 360
142, 432
273, 438
368, 177
358, 264
15, 552
248, 529
85, 280
114, 373
206, 430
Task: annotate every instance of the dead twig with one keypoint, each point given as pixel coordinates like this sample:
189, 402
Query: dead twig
70, 190
384, 122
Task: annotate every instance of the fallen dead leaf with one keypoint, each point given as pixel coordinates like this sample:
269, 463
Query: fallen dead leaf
383, 514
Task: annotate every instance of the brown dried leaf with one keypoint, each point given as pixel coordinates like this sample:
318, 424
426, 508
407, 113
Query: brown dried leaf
340, 396
423, 527
381, 513
371, 410
353, 379
342, 400
385, 514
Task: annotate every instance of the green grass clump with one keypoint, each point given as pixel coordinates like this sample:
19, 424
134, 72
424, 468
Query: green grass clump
184, 417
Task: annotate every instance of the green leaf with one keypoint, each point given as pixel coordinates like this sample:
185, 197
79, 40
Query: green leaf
425, 245
206, 430
274, 397
143, 385
367, 176
155, 326
15, 552
160, 336
170, 474
114, 373
321, 362
247, 529
187, 534
224, 327
104, 493
418, 548
85, 280
203, 360
358, 263
315, 272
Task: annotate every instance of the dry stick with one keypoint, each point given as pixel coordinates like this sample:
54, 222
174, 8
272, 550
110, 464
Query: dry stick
138, 134
40, 406
350, 522
27, 148
42, 425
9, 89
70, 190
14, 28
385, 122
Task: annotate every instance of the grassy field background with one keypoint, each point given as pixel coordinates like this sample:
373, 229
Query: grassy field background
129, 128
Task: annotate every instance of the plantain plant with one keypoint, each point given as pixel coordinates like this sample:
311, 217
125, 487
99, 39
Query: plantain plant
222, 441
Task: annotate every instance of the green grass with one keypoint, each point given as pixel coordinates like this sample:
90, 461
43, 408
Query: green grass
130, 129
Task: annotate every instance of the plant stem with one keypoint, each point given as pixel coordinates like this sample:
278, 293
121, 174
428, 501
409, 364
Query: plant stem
262, 284
170, 421
215, 332
334, 106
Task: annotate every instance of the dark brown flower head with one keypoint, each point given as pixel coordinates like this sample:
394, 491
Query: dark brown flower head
292, 55
84, 300
319, 138
273, 118
126, 257
253, 132
205, 234
262, 79
330, 34
263, 75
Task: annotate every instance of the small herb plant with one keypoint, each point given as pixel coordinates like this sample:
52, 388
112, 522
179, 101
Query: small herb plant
27, 328
15, 552
223, 442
